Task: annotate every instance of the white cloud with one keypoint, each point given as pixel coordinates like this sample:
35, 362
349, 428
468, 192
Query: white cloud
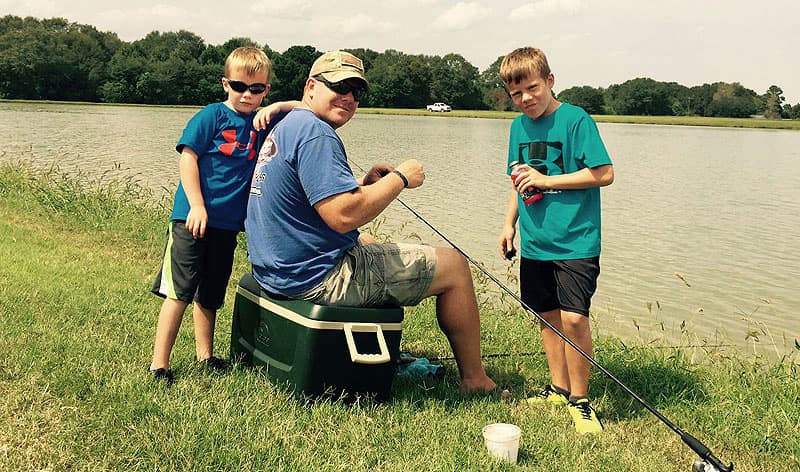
546, 8
353, 25
461, 16
35, 8
164, 11
405, 4
282, 9
158, 11
618, 53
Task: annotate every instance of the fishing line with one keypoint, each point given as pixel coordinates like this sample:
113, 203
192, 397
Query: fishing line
695, 444
539, 353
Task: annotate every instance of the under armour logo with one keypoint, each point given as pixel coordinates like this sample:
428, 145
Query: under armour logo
233, 145
543, 156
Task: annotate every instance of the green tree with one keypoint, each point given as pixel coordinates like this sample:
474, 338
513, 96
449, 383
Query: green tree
590, 99
495, 95
699, 100
58, 60
456, 82
774, 102
640, 96
678, 98
734, 101
161, 68
124, 69
173, 68
398, 80
291, 71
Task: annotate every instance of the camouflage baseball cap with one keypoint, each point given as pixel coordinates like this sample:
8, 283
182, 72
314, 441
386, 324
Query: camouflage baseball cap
335, 66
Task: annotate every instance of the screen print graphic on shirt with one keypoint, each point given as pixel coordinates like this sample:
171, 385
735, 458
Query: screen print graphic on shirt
268, 150
537, 155
232, 144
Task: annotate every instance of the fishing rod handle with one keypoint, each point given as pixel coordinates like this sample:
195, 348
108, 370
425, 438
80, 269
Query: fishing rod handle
706, 456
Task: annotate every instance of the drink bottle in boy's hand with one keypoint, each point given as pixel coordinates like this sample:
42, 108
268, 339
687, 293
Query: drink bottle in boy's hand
530, 194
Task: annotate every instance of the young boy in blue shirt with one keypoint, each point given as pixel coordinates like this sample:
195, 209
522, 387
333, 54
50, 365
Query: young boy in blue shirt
561, 154
218, 151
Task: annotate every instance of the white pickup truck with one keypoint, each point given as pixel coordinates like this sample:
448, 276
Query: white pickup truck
439, 106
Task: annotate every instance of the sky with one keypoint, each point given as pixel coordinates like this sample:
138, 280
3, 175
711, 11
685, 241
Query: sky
596, 43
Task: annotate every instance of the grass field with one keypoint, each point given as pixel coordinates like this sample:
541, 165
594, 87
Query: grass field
76, 261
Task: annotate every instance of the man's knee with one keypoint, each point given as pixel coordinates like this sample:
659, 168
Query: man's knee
453, 262
452, 270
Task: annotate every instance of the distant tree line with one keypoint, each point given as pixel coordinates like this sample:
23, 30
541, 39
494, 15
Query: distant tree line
54, 59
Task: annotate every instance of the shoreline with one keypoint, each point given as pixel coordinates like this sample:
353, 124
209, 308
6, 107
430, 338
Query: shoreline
749, 123
752, 123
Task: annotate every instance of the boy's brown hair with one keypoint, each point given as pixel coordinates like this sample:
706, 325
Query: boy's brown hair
249, 60
523, 63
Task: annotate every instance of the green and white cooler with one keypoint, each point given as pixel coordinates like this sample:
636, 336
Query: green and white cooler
316, 349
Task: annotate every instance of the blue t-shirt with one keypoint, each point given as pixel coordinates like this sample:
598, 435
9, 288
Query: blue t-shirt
301, 163
226, 144
565, 224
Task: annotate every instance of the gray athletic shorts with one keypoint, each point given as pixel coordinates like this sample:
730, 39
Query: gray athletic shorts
196, 269
377, 275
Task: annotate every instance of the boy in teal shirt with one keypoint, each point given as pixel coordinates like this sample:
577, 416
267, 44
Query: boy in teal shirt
562, 155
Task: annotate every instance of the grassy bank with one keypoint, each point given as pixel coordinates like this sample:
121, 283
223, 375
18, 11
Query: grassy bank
76, 261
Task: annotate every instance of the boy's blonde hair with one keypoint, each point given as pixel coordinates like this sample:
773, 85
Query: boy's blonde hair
249, 60
523, 63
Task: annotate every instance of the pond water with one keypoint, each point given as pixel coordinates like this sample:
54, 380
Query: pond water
699, 228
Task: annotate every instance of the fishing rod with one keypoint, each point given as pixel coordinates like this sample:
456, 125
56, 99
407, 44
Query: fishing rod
539, 353
708, 461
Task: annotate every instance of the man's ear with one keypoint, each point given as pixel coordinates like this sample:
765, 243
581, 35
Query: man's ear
311, 84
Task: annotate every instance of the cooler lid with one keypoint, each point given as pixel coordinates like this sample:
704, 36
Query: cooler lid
319, 316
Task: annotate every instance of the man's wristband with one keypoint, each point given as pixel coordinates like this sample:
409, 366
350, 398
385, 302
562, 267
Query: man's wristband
403, 177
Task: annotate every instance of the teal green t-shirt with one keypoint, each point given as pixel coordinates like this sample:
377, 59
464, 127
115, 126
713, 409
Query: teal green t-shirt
565, 224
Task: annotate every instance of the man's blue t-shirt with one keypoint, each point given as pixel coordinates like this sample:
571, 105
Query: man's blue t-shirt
565, 224
301, 163
226, 144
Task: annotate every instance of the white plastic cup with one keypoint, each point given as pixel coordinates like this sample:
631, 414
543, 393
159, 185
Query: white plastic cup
502, 440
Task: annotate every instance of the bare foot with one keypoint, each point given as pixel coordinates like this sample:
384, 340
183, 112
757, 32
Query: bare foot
482, 385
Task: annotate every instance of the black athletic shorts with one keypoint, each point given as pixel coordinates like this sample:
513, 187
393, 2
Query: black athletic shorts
196, 269
566, 285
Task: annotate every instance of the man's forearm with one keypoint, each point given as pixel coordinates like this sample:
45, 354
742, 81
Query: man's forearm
347, 211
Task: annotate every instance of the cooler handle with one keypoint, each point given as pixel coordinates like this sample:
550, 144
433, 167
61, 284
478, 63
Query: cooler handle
359, 358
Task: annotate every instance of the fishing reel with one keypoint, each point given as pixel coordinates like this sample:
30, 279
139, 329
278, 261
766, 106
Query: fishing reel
703, 466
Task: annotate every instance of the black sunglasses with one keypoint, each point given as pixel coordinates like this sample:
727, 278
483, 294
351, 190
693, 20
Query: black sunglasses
343, 87
239, 86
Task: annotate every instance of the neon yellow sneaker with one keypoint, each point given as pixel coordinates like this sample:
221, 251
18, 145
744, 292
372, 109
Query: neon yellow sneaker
550, 396
584, 416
